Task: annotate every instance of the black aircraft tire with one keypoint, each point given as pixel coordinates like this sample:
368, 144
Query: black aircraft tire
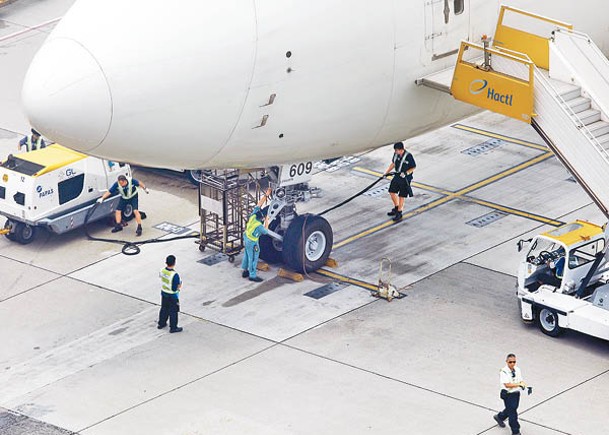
307, 243
271, 250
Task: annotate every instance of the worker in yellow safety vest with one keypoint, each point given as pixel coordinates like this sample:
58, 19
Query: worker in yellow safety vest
257, 225
32, 143
170, 291
127, 188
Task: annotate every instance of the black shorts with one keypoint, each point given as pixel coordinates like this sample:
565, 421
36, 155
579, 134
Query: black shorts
122, 203
399, 185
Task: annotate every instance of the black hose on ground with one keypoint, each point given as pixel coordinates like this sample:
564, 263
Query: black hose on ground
361, 192
129, 248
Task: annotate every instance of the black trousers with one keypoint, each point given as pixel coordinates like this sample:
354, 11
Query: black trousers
401, 186
170, 307
511, 402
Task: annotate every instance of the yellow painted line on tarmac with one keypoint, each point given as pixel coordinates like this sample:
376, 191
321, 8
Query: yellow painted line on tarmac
513, 211
504, 174
390, 222
414, 183
460, 194
501, 136
347, 280
367, 171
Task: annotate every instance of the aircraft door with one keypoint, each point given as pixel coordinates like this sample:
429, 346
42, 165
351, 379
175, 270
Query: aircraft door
446, 24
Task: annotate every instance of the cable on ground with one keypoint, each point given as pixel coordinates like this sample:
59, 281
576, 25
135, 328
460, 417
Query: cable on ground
129, 247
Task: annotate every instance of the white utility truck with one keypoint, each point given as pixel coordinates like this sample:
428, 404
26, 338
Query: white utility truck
562, 280
55, 188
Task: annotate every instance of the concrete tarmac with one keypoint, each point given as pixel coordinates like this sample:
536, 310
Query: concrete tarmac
81, 352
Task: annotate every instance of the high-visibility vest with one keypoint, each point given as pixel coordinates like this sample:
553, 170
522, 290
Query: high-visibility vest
404, 156
167, 281
251, 226
127, 192
35, 146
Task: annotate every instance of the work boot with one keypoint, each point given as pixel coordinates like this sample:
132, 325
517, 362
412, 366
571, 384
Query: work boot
161, 326
498, 420
177, 329
393, 211
138, 231
256, 279
398, 216
245, 274
117, 228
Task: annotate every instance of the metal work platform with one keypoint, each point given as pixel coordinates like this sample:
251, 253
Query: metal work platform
226, 198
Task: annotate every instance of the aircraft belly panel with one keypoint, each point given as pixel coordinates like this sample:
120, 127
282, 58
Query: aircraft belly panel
336, 78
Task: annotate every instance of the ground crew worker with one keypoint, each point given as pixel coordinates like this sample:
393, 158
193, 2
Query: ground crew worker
127, 188
511, 382
257, 225
32, 143
404, 165
170, 300
553, 274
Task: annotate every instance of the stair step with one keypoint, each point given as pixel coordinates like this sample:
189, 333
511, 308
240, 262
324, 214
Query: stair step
589, 116
603, 140
579, 104
599, 128
566, 90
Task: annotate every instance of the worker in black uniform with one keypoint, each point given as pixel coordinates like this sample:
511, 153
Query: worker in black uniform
170, 300
32, 143
404, 165
127, 188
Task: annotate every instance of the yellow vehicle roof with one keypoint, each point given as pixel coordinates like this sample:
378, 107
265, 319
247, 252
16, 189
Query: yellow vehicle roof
52, 157
574, 232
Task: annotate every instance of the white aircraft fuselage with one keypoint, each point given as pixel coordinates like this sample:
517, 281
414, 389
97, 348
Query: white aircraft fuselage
237, 83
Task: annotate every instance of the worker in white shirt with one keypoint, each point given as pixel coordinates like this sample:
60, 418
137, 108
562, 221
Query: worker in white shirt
512, 384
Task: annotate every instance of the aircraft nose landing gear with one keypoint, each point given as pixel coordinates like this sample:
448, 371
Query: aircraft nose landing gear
307, 239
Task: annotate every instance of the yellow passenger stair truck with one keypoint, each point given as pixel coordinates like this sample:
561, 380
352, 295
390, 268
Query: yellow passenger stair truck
542, 72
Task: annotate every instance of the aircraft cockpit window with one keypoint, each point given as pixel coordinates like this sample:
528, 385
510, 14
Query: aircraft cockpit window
459, 6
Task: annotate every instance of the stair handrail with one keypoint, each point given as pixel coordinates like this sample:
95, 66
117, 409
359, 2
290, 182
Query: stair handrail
506, 8
535, 45
597, 51
569, 111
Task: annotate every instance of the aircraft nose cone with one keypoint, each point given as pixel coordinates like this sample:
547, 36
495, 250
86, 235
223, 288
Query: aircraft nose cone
70, 106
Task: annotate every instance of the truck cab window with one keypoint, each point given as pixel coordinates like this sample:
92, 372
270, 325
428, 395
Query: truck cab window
586, 253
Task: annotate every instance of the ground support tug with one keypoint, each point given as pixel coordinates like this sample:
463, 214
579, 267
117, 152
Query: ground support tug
55, 188
580, 299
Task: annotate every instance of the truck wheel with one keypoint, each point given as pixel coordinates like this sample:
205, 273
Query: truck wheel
547, 320
127, 213
11, 236
307, 243
194, 176
25, 233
